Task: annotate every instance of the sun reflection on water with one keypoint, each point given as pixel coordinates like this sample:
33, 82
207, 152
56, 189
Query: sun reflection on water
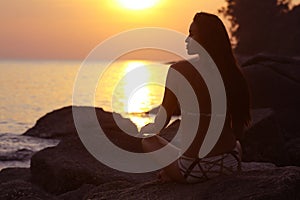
135, 91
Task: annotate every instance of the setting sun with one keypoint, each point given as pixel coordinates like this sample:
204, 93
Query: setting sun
137, 4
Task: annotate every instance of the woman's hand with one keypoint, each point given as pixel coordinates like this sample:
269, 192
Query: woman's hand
149, 128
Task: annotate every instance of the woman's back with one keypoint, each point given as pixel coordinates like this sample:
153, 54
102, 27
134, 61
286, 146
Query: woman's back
227, 139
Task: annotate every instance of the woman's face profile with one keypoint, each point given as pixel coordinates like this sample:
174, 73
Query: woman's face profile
192, 45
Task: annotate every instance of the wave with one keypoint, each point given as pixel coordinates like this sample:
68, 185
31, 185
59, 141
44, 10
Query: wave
16, 150
19, 155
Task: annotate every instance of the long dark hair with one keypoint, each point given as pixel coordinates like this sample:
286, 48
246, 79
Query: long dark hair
214, 38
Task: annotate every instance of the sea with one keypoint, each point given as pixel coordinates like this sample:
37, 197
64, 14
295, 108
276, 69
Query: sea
31, 89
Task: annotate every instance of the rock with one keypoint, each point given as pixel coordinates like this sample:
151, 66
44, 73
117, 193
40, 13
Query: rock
55, 168
77, 194
109, 190
260, 58
273, 84
10, 174
19, 189
15, 184
265, 142
274, 139
68, 166
292, 148
254, 183
55, 124
59, 123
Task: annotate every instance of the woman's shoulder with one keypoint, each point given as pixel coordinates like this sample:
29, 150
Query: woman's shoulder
184, 66
182, 63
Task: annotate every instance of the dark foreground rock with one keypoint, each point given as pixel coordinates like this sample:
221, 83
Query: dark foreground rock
9, 174
69, 170
18, 189
69, 165
15, 184
76, 175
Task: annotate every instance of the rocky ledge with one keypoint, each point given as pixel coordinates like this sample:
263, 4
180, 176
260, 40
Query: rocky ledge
68, 171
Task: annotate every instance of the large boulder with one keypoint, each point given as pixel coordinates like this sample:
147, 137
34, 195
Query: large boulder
56, 124
69, 165
273, 81
275, 84
60, 123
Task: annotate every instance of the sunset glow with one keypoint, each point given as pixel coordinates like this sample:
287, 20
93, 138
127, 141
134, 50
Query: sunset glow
68, 30
137, 4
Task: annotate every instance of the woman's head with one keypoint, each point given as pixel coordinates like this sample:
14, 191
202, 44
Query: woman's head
209, 31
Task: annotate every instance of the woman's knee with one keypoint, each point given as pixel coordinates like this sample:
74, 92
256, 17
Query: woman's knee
150, 142
239, 148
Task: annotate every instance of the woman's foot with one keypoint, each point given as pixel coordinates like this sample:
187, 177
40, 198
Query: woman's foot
239, 148
163, 177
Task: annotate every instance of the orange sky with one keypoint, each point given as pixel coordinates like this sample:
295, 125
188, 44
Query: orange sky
70, 29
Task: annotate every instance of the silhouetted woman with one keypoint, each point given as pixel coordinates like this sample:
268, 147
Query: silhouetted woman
209, 31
